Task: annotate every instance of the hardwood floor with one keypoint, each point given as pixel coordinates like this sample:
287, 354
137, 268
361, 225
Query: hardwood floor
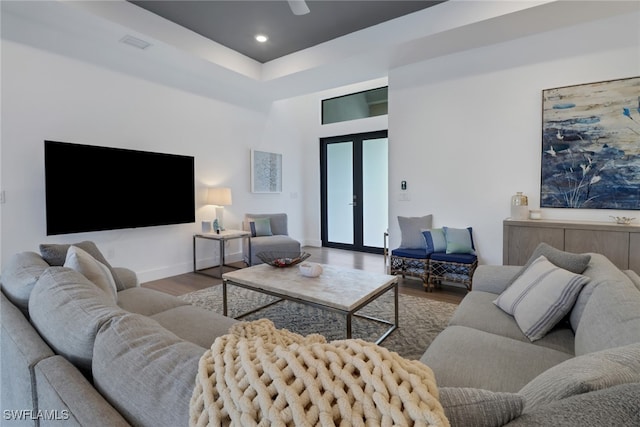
189, 282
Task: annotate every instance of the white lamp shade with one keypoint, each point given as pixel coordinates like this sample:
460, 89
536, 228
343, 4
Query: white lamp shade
219, 196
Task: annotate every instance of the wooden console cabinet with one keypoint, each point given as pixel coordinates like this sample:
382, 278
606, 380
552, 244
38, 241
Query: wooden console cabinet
619, 243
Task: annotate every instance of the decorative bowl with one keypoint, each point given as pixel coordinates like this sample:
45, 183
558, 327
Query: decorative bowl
283, 259
622, 219
310, 269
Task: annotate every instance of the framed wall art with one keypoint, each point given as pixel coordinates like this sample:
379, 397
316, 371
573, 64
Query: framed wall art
591, 146
266, 172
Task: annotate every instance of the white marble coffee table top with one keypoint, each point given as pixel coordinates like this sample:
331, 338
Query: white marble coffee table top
341, 288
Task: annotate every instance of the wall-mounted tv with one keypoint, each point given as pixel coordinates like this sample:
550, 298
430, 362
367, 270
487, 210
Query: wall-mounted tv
92, 188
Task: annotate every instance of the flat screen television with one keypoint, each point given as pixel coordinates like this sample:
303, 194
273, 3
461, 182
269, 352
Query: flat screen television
92, 188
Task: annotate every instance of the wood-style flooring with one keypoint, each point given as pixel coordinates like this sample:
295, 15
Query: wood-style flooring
189, 282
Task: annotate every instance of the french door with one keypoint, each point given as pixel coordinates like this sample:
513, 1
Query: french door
354, 191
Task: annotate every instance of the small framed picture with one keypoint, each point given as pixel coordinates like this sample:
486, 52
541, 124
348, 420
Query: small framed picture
266, 172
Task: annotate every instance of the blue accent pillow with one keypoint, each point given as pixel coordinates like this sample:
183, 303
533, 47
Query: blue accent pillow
459, 240
252, 227
436, 242
262, 227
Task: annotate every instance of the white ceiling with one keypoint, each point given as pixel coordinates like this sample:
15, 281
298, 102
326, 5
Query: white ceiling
90, 31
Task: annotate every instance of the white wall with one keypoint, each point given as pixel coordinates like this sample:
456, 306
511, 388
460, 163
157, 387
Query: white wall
464, 132
300, 117
465, 129
47, 96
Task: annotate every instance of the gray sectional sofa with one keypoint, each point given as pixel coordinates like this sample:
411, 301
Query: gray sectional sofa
75, 354
584, 372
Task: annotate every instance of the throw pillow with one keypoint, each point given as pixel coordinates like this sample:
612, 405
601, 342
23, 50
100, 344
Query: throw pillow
411, 231
459, 240
435, 240
584, 374
56, 254
262, 227
541, 297
92, 269
575, 263
466, 407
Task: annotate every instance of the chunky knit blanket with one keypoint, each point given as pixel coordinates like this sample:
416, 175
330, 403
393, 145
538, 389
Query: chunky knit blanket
258, 375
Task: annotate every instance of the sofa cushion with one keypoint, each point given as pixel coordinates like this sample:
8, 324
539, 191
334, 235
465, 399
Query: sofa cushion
575, 263
56, 254
19, 277
601, 271
478, 311
611, 317
459, 240
465, 407
615, 406
187, 322
435, 240
411, 231
411, 253
465, 357
146, 372
98, 273
67, 310
541, 297
277, 243
494, 278
584, 374
147, 301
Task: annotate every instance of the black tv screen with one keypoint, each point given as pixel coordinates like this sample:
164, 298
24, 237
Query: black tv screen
91, 188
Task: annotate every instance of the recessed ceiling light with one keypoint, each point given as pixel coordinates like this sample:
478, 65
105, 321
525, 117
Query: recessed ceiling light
262, 38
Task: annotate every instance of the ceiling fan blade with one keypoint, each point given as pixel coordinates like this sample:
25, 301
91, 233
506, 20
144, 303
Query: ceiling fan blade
298, 7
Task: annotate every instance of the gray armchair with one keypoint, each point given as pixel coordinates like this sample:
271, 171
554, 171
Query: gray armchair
271, 235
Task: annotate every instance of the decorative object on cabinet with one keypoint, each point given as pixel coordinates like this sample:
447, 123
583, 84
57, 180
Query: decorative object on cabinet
519, 206
590, 135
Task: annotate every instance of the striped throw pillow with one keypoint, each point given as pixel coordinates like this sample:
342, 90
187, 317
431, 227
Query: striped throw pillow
541, 297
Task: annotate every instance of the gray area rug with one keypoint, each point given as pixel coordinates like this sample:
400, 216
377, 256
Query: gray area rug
421, 319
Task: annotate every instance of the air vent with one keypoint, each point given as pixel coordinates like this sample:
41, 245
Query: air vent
135, 42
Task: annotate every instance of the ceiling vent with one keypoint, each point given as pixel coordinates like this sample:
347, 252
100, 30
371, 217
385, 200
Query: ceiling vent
135, 42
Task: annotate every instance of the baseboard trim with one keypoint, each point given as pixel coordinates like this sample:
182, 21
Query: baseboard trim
182, 268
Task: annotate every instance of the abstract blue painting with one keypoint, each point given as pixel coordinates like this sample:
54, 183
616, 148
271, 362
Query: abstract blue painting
591, 146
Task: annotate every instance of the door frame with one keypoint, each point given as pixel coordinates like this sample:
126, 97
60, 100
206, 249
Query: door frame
358, 237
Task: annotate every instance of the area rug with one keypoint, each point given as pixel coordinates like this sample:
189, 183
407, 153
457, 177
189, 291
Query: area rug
420, 319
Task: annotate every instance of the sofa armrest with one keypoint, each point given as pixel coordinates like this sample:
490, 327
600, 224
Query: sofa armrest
62, 388
128, 277
494, 278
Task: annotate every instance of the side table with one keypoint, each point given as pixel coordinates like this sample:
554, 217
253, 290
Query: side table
222, 237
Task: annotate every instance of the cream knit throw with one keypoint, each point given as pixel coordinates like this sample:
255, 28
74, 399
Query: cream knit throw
258, 375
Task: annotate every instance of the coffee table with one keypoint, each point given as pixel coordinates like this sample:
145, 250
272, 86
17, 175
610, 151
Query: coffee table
340, 290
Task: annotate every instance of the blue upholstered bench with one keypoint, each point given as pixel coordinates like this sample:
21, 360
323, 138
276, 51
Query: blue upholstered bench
410, 262
433, 264
458, 268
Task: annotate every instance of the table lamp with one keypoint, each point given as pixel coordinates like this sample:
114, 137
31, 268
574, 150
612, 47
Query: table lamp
219, 197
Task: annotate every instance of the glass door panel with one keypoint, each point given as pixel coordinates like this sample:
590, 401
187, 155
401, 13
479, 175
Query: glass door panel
354, 189
375, 183
340, 192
